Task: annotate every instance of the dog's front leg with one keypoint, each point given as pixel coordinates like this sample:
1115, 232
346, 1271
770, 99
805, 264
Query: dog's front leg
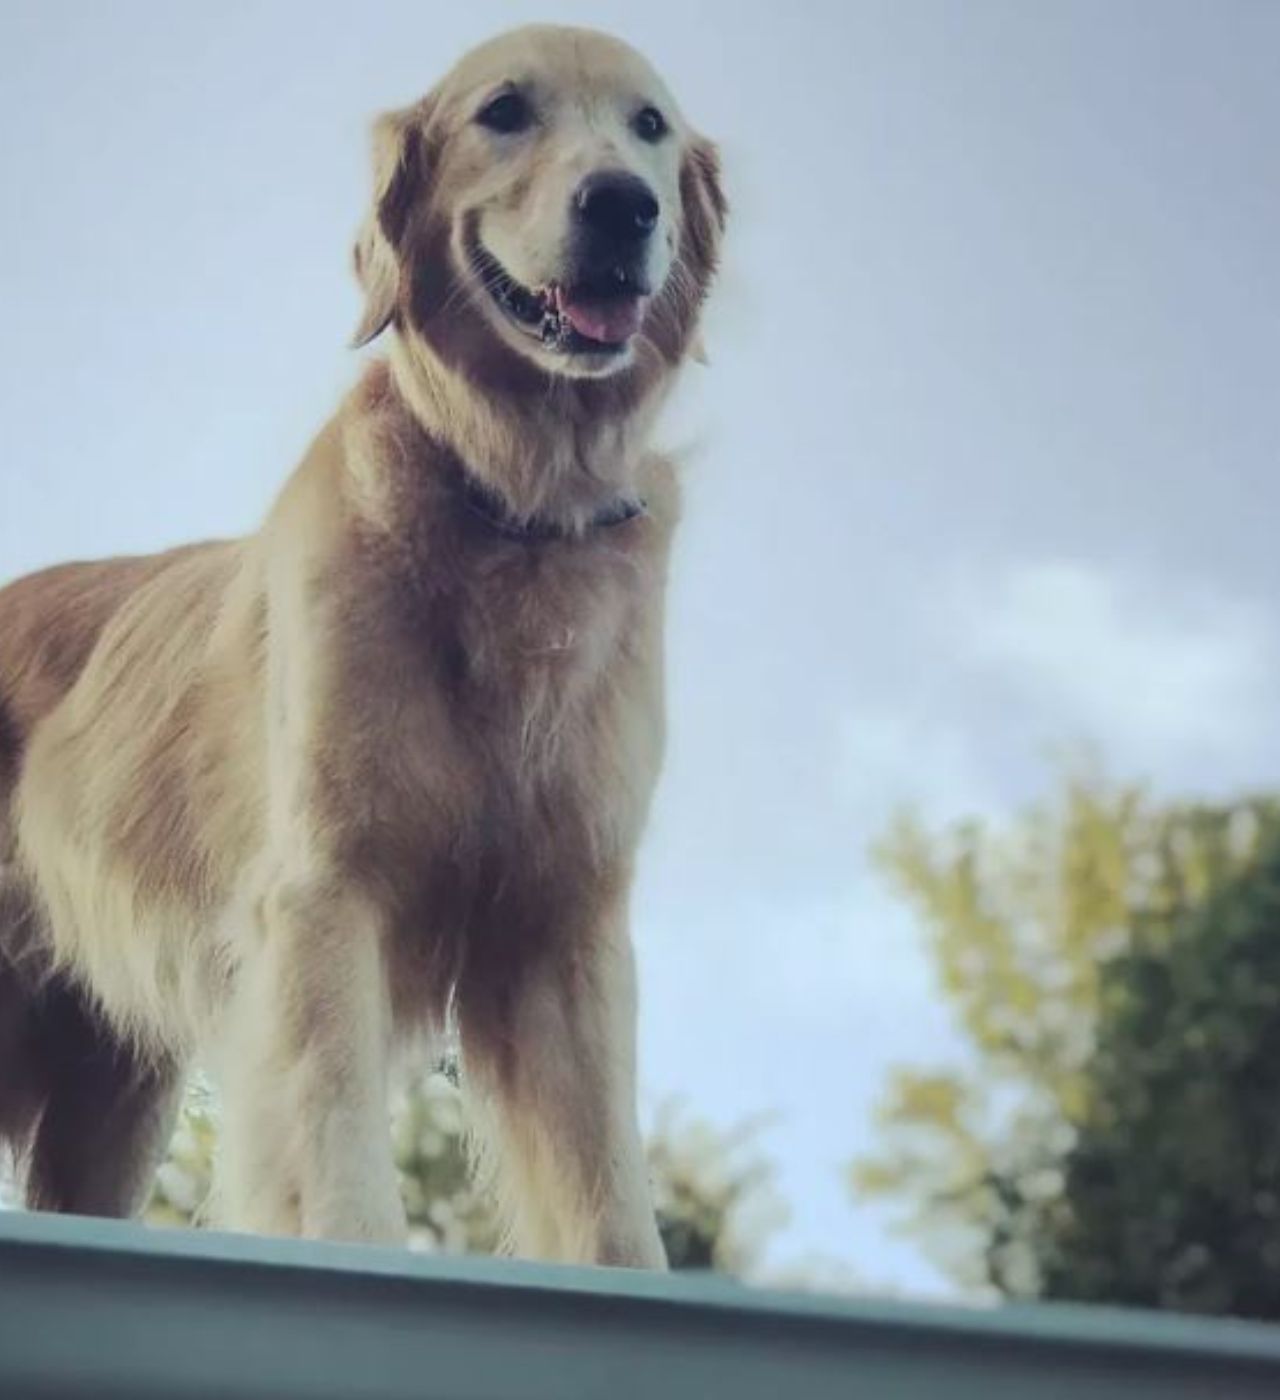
306, 1144
549, 1056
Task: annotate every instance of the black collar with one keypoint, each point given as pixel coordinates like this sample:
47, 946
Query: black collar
485, 505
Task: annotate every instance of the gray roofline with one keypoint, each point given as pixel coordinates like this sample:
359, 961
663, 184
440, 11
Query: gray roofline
105, 1309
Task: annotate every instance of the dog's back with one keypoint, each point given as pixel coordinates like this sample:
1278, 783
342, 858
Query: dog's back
50, 622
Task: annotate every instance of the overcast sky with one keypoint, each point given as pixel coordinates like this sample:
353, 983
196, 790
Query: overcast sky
986, 455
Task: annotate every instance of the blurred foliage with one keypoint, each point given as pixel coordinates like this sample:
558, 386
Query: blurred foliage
184, 1179
714, 1192
1111, 1137
1173, 1184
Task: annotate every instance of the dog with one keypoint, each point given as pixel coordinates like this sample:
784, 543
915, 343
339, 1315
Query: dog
284, 804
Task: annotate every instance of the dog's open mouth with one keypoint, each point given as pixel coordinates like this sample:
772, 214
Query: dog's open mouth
599, 316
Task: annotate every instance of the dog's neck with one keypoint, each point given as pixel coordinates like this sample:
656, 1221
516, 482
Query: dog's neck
554, 458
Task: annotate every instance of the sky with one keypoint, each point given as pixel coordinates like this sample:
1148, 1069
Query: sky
984, 462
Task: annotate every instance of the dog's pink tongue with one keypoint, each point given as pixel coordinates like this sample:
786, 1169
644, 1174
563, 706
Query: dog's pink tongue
609, 320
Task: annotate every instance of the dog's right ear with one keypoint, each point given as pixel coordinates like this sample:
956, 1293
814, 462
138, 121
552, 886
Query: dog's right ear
397, 178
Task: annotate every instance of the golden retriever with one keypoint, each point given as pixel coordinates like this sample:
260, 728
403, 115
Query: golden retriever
280, 802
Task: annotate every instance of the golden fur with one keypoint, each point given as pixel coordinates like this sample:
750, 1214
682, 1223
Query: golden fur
277, 801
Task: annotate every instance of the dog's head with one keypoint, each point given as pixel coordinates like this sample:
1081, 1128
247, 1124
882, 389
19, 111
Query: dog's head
547, 201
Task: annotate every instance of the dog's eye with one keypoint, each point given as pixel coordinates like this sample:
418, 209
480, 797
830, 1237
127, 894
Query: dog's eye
649, 124
508, 112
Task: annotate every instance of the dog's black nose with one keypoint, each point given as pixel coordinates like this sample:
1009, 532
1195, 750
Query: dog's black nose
616, 205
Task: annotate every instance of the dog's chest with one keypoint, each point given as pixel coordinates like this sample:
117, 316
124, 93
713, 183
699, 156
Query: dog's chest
524, 642
521, 730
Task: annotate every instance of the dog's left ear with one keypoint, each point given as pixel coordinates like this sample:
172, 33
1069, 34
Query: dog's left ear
397, 177
705, 211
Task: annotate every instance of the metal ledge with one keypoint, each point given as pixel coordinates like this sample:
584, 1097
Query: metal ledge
104, 1309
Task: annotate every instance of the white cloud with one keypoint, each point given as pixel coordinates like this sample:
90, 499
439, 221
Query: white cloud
1168, 676
891, 757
